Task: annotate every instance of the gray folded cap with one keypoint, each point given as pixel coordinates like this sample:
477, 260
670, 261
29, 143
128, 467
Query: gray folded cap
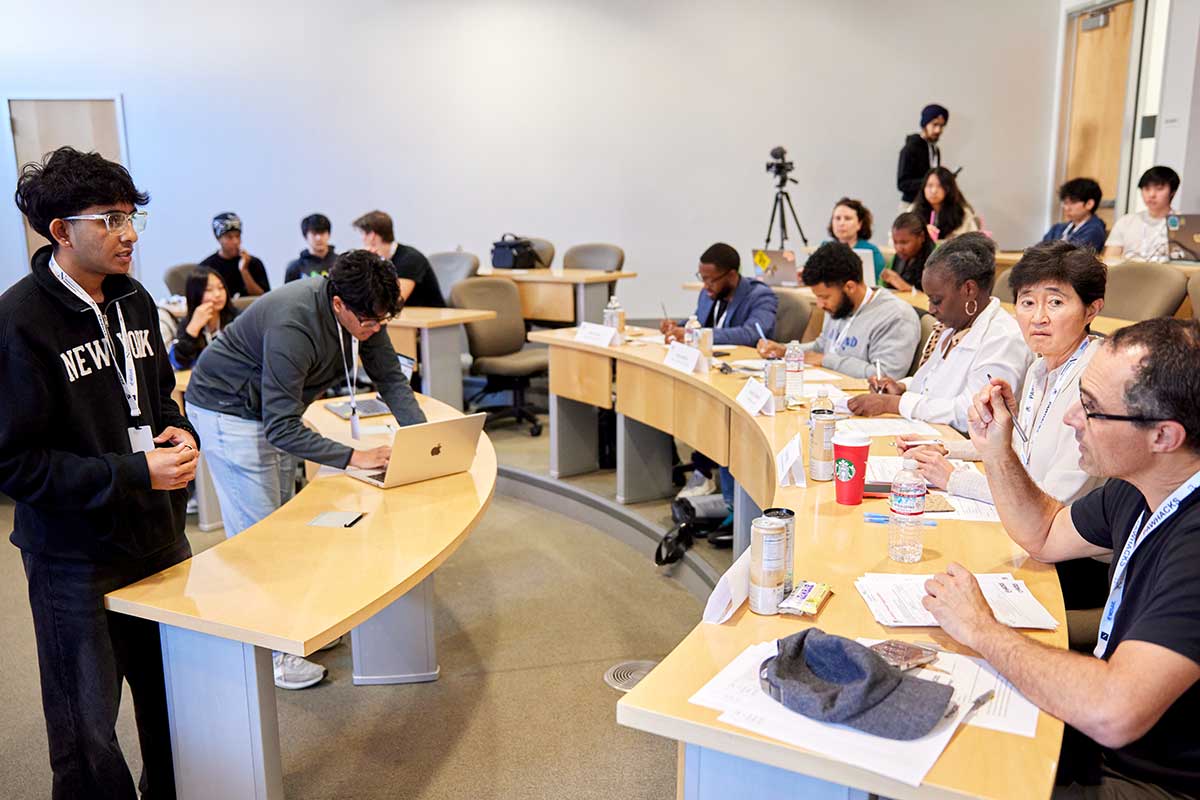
834, 679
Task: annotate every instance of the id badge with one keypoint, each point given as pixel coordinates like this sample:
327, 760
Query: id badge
141, 439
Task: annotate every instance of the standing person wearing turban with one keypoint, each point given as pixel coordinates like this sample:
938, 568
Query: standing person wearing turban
920, 152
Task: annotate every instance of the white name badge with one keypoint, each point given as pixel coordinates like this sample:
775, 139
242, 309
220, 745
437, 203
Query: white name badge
755, 397
682, 357
595, 334
141, 439
789, 466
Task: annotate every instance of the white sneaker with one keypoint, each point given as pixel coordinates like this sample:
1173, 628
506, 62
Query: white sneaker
294, 672
331, 645
698, 485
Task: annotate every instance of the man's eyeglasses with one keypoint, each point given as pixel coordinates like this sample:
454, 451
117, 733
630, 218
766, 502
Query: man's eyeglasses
115, 221
713, 281
368, 322
1115, 417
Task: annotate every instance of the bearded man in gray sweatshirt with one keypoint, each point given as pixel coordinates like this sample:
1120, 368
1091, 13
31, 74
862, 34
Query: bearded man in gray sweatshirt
863, 325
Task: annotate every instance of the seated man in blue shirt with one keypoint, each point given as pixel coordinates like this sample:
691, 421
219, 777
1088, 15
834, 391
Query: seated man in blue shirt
1080, 198
733, 306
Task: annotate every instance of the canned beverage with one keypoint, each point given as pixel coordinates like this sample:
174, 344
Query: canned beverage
775, 377
704, 343
768, 552
789, 519
820, 446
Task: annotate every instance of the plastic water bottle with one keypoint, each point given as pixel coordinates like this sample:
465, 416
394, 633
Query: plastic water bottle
906, 522
820, 444
614, 317
691, 332
794, 360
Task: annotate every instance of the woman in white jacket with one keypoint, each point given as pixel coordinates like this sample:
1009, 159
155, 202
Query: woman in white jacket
976, 340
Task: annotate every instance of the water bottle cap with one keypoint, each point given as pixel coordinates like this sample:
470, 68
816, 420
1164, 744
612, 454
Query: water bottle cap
822, 390
793, 342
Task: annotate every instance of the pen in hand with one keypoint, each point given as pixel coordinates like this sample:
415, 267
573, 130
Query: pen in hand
1016, 425
878, 389
758, 327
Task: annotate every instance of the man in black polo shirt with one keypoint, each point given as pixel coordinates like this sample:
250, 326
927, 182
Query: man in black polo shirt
1136, 698
418, 282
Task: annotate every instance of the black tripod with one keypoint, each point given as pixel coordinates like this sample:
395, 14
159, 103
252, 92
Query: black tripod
777, 210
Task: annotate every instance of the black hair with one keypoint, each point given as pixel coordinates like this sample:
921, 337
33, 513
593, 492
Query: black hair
193, 291
954, 207
833, 263
1165, 382
908, 221
316, 223
68, 181
379, 222
1159, 175
864, 216
969, 257
1081, 190
721, 256
1063, 262
366, 283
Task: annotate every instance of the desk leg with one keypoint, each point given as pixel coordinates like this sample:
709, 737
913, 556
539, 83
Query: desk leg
397, 644
209, 510
224, 731
441, 369
574, 438
590, 300
744, 512
643, 462
713, 775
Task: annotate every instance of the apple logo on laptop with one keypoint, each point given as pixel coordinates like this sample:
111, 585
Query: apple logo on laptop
436, 450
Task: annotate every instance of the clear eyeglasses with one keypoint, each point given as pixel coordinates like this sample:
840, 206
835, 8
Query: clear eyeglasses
115, 221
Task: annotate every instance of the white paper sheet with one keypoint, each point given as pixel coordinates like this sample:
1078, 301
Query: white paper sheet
883, 469
730, 592
895, 600
818, 375
969, 510
888, 427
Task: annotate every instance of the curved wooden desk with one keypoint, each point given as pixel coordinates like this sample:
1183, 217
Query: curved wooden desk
284, 585
833, 544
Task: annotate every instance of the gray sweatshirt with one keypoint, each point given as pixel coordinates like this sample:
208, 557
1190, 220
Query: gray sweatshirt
282, 353
885, 328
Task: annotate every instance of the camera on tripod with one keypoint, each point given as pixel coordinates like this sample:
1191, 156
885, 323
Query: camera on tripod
780, 167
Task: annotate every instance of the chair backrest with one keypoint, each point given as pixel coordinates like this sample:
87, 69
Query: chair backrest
1001, 289
601, 257
494, 337
1140, 290
1194, 294
450, 268
544, 249
176, 277
927, 323
243, 302
791, 319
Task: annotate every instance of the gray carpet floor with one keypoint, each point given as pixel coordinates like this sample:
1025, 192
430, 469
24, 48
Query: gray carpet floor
531, 611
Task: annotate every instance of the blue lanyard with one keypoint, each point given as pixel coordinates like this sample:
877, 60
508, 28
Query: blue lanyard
1136, 537
1048, 401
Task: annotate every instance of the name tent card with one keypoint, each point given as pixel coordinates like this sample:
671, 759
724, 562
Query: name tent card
789, 466
595, 334
755, 397
682, 357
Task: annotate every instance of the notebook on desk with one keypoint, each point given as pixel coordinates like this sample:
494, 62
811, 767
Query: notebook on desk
1183, 237
371, 407
425, 451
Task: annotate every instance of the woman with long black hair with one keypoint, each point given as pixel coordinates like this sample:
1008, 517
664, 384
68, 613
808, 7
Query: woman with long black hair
208, 313
942, 206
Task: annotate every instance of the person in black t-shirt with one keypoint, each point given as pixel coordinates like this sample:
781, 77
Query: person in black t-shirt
243, 273
1136, 698
418, 282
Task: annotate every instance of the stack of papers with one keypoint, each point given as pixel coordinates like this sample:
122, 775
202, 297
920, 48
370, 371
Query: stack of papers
895, 600
883, 469
887, 427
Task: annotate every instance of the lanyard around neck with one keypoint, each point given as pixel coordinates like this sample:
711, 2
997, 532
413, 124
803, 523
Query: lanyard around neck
351, 380
1064, 377
842, 335
1136, 537
127, 377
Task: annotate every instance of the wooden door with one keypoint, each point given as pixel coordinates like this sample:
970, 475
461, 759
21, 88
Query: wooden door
1098, 77
40, 126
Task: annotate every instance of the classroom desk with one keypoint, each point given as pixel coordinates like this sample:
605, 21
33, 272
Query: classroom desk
653, 403
283, 585
562, 295
433, 334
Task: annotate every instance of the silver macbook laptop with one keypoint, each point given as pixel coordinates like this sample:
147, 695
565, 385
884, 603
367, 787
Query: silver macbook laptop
1183, 237
778, 267
425, 451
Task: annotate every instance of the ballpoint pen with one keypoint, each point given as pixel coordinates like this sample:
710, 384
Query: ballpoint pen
878, 377
1016, 425
761, 335
882, 519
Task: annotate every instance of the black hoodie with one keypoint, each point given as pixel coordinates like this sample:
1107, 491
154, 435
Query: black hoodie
912, 166
309, 266
65, 455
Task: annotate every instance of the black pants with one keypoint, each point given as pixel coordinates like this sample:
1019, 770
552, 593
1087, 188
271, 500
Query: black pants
84, 652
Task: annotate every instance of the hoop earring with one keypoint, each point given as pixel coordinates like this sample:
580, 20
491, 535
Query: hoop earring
968, 309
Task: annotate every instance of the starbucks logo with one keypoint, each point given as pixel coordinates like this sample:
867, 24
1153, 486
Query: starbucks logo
844, 469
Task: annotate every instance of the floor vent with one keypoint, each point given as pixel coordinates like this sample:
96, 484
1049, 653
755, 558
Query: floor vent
625, 676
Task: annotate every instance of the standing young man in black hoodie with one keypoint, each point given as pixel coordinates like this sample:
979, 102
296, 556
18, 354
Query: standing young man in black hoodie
97, 456
920, 152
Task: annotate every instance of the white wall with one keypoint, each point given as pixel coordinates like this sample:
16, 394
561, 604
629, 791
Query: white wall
1179, 113
643, 124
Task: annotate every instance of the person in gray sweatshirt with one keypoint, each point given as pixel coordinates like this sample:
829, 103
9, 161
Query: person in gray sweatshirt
251, 386
863, 325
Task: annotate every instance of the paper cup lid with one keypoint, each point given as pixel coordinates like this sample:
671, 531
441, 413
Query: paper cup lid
851, 439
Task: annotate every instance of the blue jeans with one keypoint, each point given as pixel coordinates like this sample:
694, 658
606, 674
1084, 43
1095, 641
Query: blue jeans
84, 652
252, 477
724, 479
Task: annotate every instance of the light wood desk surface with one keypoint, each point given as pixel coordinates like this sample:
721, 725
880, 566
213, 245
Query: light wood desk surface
834, 545
572, 276
421, 317
286, 586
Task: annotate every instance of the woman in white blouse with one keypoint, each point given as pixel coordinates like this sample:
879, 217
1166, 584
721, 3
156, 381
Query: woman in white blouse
1059, 289
976, 340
